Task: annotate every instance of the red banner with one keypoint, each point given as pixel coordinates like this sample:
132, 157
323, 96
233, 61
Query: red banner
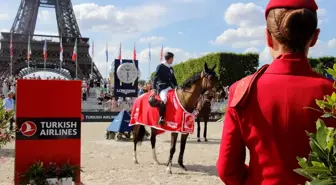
48, 116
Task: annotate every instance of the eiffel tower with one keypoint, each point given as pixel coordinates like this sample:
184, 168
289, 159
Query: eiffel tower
68, 30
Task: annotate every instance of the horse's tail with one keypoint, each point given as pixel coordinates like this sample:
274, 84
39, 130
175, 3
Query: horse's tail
141, 134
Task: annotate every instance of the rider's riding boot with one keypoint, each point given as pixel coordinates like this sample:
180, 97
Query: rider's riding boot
162, 112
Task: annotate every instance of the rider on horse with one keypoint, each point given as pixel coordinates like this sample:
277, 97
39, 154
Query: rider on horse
164, 80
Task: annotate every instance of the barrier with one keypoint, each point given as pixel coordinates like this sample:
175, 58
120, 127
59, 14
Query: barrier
109, 116
98, 116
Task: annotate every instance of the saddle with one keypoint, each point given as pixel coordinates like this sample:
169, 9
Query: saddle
154, 100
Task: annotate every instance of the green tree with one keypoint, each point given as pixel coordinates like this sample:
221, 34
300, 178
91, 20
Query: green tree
320, 167
230, 66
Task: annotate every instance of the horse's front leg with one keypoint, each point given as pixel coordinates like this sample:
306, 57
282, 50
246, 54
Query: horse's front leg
198, 119
184, 138
172, 151
153, 141
135, 140
205, 131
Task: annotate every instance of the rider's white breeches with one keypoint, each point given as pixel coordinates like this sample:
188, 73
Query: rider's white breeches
164, 94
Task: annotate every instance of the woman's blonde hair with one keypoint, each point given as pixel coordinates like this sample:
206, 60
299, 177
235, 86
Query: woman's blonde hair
293, 28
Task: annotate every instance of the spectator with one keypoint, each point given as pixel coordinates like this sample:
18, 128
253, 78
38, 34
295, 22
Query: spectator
266, 112
8, 105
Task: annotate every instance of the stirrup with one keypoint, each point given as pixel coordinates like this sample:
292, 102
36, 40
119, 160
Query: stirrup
161, 121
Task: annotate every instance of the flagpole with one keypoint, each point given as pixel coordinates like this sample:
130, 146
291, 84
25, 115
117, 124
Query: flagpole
45, 57
45, 66
106, 58
76, 61
28, 51
149, 61
61, 53
92, 59
45, 61
11, 57
76, 67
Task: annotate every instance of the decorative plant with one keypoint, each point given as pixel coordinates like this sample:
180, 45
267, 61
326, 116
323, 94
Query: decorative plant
37, 174
6, 135
68, 170
320, 167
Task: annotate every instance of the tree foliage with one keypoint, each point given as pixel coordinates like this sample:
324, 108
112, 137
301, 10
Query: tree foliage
5, 134
320, 64
230, 67
320, 167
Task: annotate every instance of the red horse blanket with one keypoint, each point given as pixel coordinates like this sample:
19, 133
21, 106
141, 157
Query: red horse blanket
177, 119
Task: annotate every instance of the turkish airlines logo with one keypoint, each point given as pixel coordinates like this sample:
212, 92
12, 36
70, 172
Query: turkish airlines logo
28, 128
189, 121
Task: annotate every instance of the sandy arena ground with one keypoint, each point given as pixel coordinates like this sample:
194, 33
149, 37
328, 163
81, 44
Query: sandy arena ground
109, 162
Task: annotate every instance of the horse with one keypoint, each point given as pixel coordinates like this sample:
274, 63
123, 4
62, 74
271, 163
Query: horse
222, 93
185, 99
203, 108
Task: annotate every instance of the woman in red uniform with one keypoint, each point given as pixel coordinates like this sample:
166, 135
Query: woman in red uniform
266, 110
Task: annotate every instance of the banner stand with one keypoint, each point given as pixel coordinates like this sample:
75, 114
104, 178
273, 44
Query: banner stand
48, 117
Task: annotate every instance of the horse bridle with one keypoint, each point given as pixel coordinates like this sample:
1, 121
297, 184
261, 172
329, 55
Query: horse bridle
207, 82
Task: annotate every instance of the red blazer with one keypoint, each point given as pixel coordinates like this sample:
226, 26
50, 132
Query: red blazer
271, 123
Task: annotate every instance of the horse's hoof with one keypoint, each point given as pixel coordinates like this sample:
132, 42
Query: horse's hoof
136, 162
182, 166
198, 140
156, 163
169, 171
205, 140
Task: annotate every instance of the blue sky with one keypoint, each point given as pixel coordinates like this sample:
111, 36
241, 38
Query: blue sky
189, 28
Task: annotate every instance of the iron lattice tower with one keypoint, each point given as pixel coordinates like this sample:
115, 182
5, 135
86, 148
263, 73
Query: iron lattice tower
68, 30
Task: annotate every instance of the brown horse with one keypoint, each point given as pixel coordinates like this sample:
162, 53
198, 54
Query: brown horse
188, 95
204, 109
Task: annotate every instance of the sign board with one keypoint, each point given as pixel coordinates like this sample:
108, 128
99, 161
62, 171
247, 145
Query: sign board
125, 89
110, 116
99, 116
48, 116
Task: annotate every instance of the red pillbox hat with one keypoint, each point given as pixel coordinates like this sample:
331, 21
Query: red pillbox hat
292, 4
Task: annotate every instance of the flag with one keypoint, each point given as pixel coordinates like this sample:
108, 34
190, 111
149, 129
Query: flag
74, 53
11, 46
28, 49
61, 50
106, 52
119, 56
149, 54
161, 53
134, 53
45, 50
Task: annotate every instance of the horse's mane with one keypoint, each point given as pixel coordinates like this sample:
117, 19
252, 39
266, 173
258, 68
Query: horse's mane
191, 80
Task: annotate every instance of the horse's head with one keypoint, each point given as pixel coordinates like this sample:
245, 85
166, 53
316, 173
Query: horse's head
208, 77
222, 92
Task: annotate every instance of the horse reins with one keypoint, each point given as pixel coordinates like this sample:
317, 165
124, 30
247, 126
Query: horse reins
208, 77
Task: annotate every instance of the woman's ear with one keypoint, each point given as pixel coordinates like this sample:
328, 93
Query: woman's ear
269, 38
315, 37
